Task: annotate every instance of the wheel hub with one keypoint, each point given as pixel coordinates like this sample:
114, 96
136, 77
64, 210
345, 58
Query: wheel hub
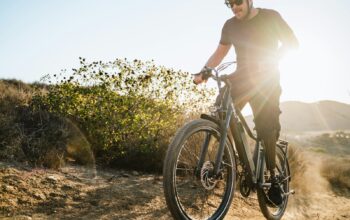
207, 178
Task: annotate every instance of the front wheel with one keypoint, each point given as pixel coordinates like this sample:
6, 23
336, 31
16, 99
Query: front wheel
269, 210
191, 190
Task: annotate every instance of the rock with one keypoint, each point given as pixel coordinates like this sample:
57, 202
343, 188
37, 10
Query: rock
9, 189
12, 202
125, 175
66, 187
80, 196
135, 173
39, 195
52, 179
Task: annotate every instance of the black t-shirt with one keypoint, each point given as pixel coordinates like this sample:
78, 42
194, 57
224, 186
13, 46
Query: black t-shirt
256, 41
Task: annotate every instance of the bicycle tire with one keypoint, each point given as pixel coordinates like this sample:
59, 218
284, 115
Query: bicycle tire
265, 207
173, 160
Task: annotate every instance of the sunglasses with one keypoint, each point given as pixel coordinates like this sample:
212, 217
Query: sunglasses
231, 3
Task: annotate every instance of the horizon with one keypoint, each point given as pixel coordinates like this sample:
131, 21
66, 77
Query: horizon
46, 37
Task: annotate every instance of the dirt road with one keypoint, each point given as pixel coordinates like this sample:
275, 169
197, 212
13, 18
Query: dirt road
81, 193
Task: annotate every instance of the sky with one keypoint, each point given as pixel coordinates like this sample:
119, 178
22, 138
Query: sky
39, 37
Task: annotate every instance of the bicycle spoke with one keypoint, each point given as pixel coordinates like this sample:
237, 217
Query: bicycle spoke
184, 169
194, 155
227, 164
196, 199
183, 184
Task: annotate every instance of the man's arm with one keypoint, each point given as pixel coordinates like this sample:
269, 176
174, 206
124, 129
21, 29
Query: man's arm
286, 36
219, 54
214, 60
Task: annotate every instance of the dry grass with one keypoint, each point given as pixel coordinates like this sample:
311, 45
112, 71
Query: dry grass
337, 172
29, 135
306, 180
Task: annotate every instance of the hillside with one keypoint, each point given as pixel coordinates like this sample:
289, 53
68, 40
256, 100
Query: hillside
319, 116
75, 191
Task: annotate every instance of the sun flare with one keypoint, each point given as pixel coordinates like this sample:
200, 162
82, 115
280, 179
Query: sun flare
306, 69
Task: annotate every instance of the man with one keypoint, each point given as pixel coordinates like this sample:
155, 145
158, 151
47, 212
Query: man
260, 37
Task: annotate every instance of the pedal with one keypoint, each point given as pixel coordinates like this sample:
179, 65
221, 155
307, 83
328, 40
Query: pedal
283, 142
291, 192
266, 185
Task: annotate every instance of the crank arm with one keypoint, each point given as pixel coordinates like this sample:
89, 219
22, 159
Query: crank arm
289, 193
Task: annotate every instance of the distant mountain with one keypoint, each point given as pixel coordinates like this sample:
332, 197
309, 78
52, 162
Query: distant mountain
319, 116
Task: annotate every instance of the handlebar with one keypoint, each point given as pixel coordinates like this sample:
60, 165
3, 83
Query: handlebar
207, 73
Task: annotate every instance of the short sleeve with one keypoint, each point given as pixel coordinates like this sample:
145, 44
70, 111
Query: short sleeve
225, 34
285, 33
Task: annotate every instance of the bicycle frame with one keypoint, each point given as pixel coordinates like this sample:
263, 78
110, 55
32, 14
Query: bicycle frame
233, 125
234, 122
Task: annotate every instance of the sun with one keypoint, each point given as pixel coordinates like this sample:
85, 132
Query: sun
306, 71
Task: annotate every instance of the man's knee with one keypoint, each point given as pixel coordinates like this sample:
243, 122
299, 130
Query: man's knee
267, 127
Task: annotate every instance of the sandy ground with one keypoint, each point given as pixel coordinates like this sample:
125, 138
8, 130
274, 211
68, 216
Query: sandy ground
79, 193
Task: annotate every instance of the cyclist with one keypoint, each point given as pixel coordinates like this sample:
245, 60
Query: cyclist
260, 37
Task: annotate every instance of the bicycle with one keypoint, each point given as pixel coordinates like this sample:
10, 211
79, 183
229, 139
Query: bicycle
208, 155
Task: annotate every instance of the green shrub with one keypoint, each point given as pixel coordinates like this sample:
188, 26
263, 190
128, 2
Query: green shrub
128, 110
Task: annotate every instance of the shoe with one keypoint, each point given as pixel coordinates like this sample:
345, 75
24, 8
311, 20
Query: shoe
274, 194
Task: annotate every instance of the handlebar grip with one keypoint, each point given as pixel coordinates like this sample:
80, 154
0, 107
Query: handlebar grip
206, 73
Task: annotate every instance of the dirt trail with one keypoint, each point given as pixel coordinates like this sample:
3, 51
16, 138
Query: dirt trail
80, 193
314, 198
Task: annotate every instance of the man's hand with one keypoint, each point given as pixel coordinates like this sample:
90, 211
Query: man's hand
202, 76
198, 79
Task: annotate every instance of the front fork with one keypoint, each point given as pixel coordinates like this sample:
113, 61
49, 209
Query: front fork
225, 114
204, 150
224, 125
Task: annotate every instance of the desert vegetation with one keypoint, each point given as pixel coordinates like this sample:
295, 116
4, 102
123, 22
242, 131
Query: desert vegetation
119, 113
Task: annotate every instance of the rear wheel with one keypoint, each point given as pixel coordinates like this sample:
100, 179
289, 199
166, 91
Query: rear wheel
193, 192
270, 210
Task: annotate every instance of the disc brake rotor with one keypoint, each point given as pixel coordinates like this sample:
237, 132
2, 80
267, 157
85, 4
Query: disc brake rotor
207, 179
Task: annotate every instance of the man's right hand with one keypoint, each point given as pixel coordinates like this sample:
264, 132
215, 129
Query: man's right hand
202, 76
198, 79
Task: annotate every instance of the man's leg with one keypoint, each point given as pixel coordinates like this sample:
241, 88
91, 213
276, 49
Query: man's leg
265, 106
240, 97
